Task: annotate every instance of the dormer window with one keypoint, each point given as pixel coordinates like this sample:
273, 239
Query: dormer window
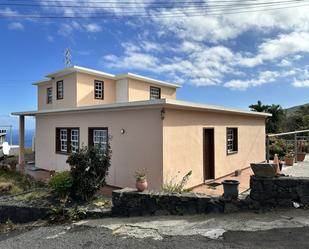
98, 89
155, 92
60, 89
49, 95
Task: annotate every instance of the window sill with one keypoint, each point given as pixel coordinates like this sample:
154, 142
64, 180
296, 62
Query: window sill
232, 152
62, 153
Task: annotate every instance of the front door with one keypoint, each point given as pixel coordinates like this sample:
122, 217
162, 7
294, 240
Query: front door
209, 154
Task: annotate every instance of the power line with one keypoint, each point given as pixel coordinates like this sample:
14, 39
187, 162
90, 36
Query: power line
200, 4
140, 14
133, 3
211, 7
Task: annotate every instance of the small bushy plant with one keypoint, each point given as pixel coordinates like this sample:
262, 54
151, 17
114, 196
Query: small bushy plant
140, 175
89, 169
61, 184
176, 187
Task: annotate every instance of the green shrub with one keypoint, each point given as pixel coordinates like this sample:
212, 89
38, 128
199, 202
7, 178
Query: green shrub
176, 187
61, 183
20, 182
89, 168
61, 214
277, 146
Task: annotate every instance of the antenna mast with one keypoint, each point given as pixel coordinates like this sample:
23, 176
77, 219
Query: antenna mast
67, 57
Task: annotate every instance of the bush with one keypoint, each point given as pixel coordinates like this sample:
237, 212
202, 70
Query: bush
61, 183
277, 146
19, 182
89, 168
176, 187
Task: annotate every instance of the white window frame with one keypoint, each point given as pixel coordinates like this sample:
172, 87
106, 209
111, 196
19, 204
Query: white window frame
230, 143
98, 89
155, 92
74, 140
59, 89
49, 93
100, 138
63, 140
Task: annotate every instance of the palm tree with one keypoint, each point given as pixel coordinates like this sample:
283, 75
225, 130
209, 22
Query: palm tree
259, 107
274, 123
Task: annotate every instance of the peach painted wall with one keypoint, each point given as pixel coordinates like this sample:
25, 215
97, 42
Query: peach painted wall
183, 143
139, 147
139, 90
69, 93
42, 96
85, 90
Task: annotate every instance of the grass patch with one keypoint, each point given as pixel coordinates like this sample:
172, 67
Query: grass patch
102, 203
13, 182
33, 196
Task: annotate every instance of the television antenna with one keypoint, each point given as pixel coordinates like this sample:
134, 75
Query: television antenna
67, 57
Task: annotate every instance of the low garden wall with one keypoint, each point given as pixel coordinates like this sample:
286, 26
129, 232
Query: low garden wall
129, 202
279, 191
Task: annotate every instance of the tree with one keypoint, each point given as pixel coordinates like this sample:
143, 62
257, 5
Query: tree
299, 120
259, 107
274, 123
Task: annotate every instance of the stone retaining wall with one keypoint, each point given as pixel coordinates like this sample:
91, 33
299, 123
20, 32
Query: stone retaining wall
279, 191
129, 202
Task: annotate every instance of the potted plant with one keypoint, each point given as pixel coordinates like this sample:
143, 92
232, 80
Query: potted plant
301, 151
289, 159
141, 180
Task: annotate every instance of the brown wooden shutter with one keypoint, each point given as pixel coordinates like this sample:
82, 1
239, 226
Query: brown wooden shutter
90, 137
57, 139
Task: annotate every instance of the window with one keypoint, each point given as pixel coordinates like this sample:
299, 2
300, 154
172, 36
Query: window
98, 89
74, 140
98, 137
60, 89
49, 95
231, 140
155, 93
67, 140
63, 140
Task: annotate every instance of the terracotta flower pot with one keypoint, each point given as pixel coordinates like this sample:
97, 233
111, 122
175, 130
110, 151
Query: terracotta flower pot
141, 185
289, 161
301, 156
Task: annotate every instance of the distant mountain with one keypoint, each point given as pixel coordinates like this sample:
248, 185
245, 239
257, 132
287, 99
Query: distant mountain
292, 110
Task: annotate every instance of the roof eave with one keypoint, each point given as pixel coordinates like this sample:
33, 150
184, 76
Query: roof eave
147, 79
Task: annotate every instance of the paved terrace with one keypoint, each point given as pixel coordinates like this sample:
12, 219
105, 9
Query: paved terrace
298, 169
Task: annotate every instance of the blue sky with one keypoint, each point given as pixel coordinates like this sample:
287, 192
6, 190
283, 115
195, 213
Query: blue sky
230, 60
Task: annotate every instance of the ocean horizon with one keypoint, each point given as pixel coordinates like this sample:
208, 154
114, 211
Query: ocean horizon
29, 133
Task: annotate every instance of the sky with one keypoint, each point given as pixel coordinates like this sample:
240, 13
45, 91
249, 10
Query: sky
229, 53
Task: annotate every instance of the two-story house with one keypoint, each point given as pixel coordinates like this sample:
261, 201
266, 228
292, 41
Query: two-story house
145, 124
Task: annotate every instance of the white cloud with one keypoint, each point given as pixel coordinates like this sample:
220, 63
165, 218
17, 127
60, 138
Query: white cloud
205, 66
277, 48
285, 63
264, 77
16, 26
92, 27
8, 12
301, 83
67, 29
50, 38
